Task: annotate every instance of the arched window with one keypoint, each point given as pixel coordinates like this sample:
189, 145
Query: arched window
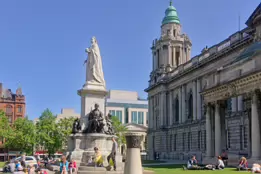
190, 106
177, 110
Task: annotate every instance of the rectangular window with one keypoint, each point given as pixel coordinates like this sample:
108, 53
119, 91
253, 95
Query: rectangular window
9, 110
112, 112
183, 142
228, 138
140, 117
134, 117
205, 139
245, 137
119, 115
199, 139
19, 109
189, 138
241, 137
175, 142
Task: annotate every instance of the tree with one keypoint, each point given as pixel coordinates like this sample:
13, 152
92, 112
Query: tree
65, 126
48, 134
119, 129
6, 131
23, 135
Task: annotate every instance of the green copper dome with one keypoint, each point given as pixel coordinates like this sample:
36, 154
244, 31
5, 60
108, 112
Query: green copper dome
171, 15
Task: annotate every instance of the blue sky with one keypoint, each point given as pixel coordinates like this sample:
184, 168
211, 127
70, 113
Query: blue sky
42, 43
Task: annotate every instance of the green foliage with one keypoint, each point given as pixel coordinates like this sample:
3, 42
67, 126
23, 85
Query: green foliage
5, 128
23, 136
51, 134
47, 132
120, 129
65, 126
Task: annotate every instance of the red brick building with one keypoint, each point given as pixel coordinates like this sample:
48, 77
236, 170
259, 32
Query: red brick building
13, 104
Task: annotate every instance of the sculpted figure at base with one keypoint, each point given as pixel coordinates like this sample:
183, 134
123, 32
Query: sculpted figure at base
76, 126
95, 121
94, 64
109, 125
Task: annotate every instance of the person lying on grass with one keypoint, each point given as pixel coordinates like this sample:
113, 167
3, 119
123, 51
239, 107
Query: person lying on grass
256, 168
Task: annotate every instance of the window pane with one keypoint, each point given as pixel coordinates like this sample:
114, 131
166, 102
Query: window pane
112, 112
134, 117
20, 109
119, 115
140, 117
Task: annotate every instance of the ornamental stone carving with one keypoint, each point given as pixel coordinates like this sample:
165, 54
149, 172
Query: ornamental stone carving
133, 140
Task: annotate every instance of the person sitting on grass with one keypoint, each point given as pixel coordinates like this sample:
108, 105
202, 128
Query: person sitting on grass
220, 163
256, 168
243, 164
192, 164
224, 157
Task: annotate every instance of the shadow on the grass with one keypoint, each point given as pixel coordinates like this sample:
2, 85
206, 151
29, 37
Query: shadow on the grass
166, 166
179, 166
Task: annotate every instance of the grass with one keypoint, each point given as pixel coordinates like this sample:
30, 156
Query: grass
2, 164
151, 161
169, 169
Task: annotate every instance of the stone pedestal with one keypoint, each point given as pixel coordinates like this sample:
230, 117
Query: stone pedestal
133, 160
81, 146
89, 97
81, 149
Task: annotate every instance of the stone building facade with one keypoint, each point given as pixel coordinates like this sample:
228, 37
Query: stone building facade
208, 103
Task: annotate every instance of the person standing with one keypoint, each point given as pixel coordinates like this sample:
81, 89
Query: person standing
113, 153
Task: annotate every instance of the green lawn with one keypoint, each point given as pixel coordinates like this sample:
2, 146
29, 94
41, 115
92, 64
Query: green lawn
2, 164
177, 169
151, 161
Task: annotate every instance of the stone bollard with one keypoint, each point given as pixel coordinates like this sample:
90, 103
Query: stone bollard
133, 158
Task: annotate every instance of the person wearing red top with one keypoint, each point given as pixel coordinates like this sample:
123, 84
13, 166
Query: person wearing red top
73, 166
243, 164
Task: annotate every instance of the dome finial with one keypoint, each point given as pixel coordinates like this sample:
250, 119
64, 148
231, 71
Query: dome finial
170, 3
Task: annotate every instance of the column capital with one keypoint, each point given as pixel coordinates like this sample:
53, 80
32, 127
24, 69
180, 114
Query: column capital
133, 140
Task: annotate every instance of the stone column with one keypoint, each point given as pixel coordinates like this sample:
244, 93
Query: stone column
162, 98
217, 130
255, 128
169, 58
133, 163
183, 96
234, 104
199, 104
208, 132
240, 103
174, 57
180, 55
180, 105
150, 113
171, 119
194, 91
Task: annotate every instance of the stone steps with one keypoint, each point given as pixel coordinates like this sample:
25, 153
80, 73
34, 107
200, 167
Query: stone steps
100, 172
97, 170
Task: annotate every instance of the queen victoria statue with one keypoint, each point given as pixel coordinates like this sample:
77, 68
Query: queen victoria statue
94, 72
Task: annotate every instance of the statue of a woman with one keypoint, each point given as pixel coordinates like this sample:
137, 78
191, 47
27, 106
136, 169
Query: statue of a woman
94, 64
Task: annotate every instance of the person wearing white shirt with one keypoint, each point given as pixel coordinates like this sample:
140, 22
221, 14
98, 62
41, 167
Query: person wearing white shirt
220, 163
